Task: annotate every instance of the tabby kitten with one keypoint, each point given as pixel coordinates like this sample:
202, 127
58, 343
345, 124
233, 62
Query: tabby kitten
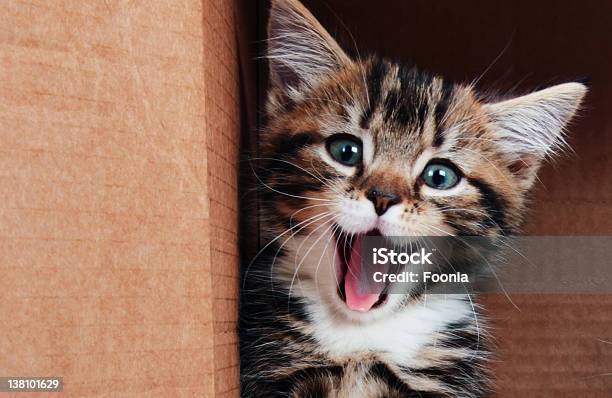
357, 147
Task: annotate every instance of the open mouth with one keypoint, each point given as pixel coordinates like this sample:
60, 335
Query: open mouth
352, 288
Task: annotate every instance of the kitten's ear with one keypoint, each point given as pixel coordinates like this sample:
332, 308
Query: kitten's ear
300, 50
531, 127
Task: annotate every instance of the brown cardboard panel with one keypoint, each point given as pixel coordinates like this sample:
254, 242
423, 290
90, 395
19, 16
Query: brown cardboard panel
119, 134
552, 345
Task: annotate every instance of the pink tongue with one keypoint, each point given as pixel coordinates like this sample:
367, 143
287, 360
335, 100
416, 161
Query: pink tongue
357, 300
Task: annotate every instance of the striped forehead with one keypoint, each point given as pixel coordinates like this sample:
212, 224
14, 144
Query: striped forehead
406, 108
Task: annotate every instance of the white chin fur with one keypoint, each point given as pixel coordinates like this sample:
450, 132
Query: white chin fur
356, 216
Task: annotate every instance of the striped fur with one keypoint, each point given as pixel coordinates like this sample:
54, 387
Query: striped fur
298, 339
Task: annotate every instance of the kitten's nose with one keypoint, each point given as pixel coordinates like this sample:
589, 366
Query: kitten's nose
382, 200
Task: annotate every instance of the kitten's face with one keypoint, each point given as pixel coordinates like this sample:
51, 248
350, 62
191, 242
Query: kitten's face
373, 147
384, 147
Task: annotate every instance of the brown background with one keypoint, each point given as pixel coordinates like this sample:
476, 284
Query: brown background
551, 346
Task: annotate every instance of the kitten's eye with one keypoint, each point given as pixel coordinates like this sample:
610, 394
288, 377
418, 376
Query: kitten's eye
345, 149
440, 176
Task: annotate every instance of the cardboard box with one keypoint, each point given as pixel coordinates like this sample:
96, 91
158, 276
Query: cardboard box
119, 146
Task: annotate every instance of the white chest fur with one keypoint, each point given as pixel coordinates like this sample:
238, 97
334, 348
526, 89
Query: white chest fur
397, 337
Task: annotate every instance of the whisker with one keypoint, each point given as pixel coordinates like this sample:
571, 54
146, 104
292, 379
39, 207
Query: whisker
320, 178
296, 272
322, 217
287, 194
316, 277
467, 294
269, 243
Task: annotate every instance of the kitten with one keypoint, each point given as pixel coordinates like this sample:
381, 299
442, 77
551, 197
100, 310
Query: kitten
369, 146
